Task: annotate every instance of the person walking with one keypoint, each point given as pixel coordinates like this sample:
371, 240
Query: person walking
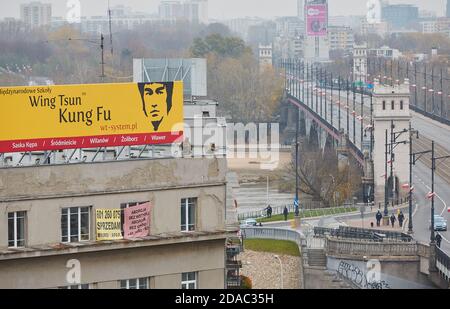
438, 240
285, 213
401, 218
393, 219
378, 216
269, 211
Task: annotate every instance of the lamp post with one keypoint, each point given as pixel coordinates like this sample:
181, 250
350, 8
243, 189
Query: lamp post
281, 268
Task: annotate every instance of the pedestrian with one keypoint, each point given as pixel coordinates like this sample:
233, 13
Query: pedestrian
269, 211
285, 213
393, 219
438, 240
401, 218
378, 216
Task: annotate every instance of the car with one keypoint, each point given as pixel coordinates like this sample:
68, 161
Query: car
249, 223
440, 223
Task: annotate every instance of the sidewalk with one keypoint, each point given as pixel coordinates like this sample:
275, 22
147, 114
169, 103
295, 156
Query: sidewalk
367, 221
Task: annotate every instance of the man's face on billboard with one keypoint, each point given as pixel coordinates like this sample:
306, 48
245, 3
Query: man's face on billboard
155, 101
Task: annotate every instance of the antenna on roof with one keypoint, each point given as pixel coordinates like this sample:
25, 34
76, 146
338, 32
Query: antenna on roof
110, 31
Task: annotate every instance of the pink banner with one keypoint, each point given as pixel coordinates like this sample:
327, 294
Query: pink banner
317, 19
137, 221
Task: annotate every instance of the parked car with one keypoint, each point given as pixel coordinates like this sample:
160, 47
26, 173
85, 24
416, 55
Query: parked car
440, 223
249, 223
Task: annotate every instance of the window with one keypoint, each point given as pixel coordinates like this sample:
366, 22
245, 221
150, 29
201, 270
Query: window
134, 284
75, 223
188, 206
189, 281
16, 229
384, 105
392, 105
75, 287
401, 105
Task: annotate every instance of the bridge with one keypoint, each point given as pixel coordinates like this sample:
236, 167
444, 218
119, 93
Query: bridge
388, 123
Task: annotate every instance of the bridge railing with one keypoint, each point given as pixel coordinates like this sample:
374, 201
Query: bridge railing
335, 246
443, 264
314, 210
273, 233
362, 234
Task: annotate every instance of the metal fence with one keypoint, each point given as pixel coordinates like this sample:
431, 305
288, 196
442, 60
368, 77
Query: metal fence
443, 264
314, 208
273, 233
362, 234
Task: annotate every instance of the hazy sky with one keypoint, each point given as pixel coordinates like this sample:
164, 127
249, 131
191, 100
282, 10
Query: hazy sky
220, 9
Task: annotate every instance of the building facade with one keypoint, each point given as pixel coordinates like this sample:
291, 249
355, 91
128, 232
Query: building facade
341, 38
190, 10
48, 224
36, 14
400, 16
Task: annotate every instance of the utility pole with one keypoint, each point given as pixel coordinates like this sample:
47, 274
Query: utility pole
386, 196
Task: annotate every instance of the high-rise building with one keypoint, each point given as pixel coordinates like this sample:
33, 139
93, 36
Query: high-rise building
190, 10
36, 14
400, 16
448, 9
301, 9
341, 38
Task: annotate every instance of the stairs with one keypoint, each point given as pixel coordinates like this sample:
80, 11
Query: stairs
317, 258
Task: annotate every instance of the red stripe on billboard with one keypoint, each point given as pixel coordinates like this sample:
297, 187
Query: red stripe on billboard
58, 143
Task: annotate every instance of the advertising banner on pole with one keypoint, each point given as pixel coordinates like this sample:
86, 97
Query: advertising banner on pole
316, 19
108, 224
137, 221
90, 116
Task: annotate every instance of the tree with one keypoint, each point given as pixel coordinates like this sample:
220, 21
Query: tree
320, 178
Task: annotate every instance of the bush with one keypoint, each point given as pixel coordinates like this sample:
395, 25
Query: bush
246, 283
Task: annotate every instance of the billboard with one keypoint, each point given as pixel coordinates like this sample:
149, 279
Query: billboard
90, 116
316, 19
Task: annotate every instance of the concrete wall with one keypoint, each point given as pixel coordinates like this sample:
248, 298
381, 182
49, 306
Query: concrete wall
43, 191
162, 264
393, 274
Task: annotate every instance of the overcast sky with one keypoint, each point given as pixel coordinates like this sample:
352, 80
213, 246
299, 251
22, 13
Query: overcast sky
220, 9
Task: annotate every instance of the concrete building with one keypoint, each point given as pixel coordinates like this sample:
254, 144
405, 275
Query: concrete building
191, 10
317, 49
240, 26
36, 14
341, 38
385, 52
381, 28
265, 56
391, 103
400, 16
301, 9
48, 212
447, 13
360, 62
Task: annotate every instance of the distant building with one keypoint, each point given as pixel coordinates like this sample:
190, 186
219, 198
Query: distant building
265, 56
400, 16
360, 62
385, 52
341, 38
191, 10
301, 9
381, 28
241, 26
289, 26
448, 9
438, 25
36, 14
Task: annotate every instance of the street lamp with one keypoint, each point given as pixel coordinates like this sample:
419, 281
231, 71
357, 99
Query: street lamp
281, 267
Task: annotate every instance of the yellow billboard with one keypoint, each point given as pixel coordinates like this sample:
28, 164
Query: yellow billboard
90, 116
108, 224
